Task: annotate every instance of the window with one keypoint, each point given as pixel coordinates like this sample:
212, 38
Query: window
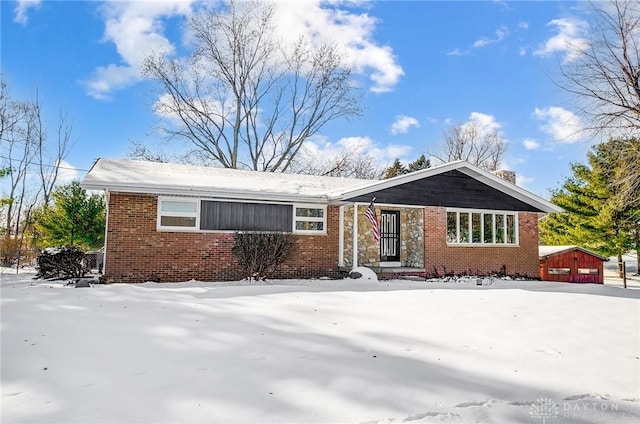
472, 227
192, 214
178, 214
559, 271
309, 219
589, 271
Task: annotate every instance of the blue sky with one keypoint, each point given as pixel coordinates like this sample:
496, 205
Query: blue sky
425, 65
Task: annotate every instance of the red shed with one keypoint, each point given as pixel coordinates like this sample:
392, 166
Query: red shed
571, 264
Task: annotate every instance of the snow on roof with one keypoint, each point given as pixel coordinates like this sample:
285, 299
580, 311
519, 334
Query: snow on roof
544, 251
165, 178
135, 176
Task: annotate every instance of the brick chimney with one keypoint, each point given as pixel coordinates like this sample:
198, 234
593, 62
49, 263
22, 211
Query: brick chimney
506, 175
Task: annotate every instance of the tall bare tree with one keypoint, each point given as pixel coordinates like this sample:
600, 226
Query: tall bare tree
605, 83
245, 98
30, 161
348, 162
478, 146
605, 78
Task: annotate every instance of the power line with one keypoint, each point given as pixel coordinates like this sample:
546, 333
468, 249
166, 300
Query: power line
48, 165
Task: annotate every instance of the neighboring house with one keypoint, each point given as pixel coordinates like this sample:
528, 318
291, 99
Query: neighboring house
571, 264
169, 222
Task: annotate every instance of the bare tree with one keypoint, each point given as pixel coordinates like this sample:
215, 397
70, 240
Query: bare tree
605, 83
605, 79
474, 144
31, 166
158, 152
350, 162
246, 99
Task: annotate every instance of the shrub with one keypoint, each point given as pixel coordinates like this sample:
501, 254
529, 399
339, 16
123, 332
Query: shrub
260, 254
65, 262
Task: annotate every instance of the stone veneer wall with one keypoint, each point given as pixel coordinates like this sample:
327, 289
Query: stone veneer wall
411, 237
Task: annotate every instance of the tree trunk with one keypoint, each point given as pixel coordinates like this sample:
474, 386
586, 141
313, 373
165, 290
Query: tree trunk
620, 268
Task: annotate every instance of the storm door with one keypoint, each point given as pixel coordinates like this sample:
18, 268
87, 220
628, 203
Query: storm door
390, 236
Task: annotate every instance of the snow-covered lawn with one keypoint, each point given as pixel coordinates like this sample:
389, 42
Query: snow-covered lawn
319, 351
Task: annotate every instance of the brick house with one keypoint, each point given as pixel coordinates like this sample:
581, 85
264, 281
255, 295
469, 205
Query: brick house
169, 222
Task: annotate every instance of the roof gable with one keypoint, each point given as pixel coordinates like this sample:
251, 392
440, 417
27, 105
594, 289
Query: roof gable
449, 189
490, 187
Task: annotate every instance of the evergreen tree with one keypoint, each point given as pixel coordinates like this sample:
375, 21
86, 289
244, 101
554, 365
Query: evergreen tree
397, 168
594, 217
74, 219
419, 164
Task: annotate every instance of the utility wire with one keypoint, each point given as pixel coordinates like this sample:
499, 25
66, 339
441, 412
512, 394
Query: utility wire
47, 165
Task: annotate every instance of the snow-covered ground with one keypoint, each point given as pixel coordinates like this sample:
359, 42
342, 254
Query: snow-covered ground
319, 351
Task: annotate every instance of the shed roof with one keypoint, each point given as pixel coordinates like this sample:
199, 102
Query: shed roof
546, 251
171, 179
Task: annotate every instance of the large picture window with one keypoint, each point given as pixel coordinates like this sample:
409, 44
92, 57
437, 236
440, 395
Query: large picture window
178, 214
473, 227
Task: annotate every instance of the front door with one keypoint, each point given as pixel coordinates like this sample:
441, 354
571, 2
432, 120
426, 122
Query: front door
390, 236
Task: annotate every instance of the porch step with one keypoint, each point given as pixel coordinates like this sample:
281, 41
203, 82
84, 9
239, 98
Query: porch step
392, 273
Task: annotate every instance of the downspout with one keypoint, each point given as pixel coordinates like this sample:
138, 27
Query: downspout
106, 232
341, 237
354, 262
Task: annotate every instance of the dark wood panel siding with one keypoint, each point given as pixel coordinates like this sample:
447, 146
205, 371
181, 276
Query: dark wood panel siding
237, 216
450, 189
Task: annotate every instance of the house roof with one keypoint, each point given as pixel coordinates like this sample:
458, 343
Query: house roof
134, 176
546, 251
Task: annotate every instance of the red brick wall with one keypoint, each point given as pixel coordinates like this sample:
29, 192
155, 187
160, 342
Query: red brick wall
136, 252
522, 259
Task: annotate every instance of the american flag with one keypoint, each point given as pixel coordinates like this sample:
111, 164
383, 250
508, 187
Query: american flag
370, 213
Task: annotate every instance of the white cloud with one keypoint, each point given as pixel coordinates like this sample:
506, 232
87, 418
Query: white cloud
523, 25
500, 35
568, 41
21, 9
485, 124
67, 173
107, 79
523, 181
563, 125
530, 144
454, 52
324, 22
136, 28
324, 150
403, 123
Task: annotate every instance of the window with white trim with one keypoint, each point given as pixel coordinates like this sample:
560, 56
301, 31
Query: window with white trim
477, 227
310, 219
179, 214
